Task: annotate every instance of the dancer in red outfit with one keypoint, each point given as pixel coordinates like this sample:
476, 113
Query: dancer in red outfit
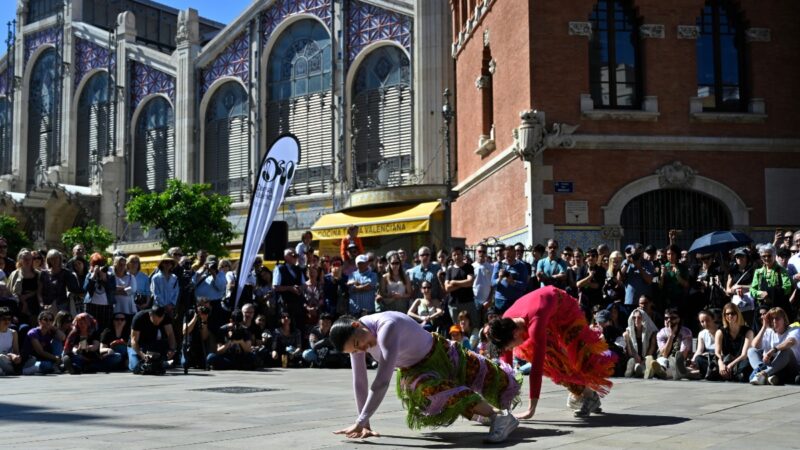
548, 329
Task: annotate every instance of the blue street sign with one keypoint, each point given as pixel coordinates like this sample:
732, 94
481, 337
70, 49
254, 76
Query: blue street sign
564, 187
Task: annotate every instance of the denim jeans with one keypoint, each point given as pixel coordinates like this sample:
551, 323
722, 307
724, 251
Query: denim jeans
110, 363
783, 360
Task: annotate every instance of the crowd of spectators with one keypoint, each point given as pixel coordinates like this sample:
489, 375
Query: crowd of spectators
91, 314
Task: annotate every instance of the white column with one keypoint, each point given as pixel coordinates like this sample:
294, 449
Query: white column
66, 172
186, 148
19, 167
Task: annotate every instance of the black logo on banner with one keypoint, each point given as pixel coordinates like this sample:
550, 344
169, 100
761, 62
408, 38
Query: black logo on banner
274, 170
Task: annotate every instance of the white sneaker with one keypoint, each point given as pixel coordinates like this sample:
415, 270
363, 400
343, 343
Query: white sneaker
574, 403
502, 426
759, 380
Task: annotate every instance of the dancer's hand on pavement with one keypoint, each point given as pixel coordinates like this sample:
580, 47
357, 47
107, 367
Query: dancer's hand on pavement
527, 414
356, 431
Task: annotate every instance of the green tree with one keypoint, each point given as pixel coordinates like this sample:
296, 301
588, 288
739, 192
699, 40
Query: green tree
16, 238
94, 237
188, 216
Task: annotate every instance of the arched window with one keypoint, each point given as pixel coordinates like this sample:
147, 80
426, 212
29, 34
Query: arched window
95, 127
44, 123
5, 136
614, 62
721, 58
300, 101
382, 119
647, 217
226, 165
154, 151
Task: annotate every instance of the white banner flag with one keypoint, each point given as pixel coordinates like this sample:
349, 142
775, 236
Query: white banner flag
274, 179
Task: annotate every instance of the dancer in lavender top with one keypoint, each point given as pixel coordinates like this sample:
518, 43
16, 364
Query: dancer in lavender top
437, 380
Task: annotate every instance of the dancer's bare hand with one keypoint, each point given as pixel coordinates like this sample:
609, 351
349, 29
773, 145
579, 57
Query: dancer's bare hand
356, 431
527, 414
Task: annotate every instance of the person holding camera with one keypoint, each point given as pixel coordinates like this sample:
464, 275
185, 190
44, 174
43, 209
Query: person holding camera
142, 294
286, 344
635, 275
210, 284
236, 353
83, 351
198, 339
164, 286
100, 287
510, 280
152, 341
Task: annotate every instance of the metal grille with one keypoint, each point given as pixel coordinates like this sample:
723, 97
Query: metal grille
154, 152
5, 136
310, 119
226, 165
382, 137
648, 217
95, 128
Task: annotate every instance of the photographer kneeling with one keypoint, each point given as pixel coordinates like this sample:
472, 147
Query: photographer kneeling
237, 351
152, 341
198, 340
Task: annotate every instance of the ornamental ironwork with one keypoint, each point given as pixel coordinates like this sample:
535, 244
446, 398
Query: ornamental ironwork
234, 61
146, 80
90, 56
35, 40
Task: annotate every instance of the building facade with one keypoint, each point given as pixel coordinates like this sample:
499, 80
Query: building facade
611, 121
99, 97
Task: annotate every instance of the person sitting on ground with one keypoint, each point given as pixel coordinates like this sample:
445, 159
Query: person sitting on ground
427, 310
674, 345
286, 344
321, 351
116, 338
41, 349
640, 342
83, 352
613, 337
456, 335
471, 333
775, 352
237, 350
731, 345
10, 357
706, 345
152, 340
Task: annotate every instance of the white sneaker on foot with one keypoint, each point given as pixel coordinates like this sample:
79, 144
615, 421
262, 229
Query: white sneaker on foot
502, 426
759, 380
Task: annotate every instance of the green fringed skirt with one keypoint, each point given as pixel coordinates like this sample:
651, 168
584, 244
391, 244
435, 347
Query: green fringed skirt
450, 382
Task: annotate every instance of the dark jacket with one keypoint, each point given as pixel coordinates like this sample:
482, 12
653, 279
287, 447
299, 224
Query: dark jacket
90, 286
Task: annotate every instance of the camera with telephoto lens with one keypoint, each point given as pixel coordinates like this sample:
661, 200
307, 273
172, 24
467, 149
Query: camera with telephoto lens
238, 333
203, 309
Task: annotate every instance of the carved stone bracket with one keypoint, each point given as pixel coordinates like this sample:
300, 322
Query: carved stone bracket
651, 31
580, 29
482, 81
486, 37
611, 232
758, 35
676, 175
532, 138
688, 31
492, 66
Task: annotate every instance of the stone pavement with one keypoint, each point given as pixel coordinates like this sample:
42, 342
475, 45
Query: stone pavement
304, 406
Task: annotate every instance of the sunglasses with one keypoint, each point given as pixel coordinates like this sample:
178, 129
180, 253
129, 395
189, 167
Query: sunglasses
671, 318
425, 288
47, 319
730, 313
396, 263
118, 318
425, 254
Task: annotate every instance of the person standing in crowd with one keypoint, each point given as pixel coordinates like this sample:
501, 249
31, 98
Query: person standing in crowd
590, 285
459, 280
731, 344
552, 270
302, 249
124, 296
431, 387
405, 265
78, 254
635, 276
482, 286
351, 238
9, 263
740, 277
395, 289
771, 284
288, 281
363, 285
335, 289
209, 283
151, 332
775, 352
425, 271
56, 284
164, 286
519, 254
24, 284
350, 262
674, 281
142, 295
509, 280
101, 287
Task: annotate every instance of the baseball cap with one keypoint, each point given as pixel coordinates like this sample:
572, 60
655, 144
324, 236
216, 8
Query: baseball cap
630, 248
602, 316
352, 245
362, 259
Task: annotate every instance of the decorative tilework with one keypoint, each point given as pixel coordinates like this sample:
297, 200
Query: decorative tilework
285, 8
233, 61
146, 80
90, 56
35, 40
585, 239
368, 23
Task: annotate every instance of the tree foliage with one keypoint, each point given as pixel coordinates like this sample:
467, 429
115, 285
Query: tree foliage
16, 238
93, 237
188, 216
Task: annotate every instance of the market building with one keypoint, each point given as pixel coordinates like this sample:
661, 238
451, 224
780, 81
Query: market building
613, 121
98, 97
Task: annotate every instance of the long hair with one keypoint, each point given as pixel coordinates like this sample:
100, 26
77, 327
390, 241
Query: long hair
739, 317
501, 332
341, 331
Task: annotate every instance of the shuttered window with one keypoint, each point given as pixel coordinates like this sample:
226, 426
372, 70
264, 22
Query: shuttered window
95, 128
43, 119
382, 120
225, 162
154, 146
5, 136
300, 101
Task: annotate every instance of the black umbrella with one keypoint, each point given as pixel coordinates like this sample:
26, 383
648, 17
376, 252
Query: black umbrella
719, 241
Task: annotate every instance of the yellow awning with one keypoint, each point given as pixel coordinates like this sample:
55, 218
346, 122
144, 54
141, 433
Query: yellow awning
377, 222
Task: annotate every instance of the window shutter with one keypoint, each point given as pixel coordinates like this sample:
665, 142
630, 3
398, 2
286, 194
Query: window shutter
154, 149
5, 137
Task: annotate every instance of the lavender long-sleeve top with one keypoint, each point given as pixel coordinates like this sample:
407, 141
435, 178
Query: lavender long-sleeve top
402, 342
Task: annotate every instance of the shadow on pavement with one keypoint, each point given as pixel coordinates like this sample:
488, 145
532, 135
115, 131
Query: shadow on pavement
24, 413
614, 420
460, 439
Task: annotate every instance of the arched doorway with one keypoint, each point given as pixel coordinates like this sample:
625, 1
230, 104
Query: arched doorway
648, 217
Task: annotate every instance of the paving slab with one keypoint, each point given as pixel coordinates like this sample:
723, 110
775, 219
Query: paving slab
300, 408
